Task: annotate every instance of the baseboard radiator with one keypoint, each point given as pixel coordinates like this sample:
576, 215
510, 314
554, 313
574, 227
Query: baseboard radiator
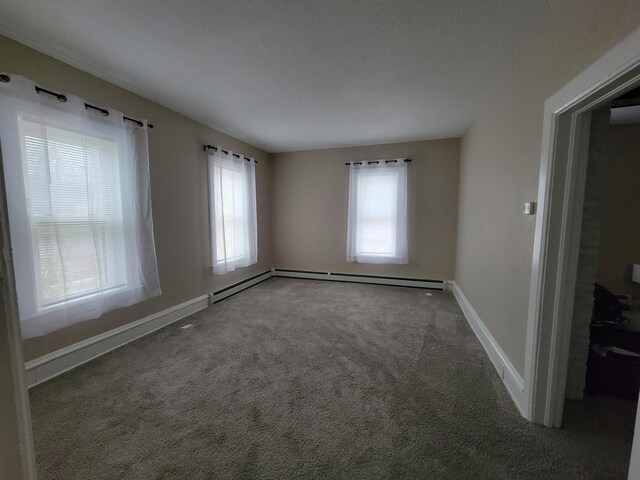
357, 278
55, 363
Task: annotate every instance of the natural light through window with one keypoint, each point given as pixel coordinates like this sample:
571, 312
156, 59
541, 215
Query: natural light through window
233, 211
377, 198
79, 204
75, 211
230, 216
377, 213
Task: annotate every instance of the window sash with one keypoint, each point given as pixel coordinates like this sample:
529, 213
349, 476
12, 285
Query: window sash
230, 215
381, 222
377, 217
232, 207
107, 266
74, 206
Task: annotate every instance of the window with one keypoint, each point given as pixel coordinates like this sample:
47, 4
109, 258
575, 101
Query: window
78, 244
377, 228
232, 198
79, 209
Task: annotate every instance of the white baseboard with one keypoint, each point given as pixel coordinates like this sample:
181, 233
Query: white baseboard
509, 375
55, 363
371, 279
60, 361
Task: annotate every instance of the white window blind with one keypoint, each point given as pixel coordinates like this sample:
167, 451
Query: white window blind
377, 218
76, 212
79, 208
232, 198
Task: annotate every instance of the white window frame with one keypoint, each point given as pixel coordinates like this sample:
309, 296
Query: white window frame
129, 281
359, 172
243, 192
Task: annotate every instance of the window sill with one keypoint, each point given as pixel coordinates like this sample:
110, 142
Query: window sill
379, 259
79, 300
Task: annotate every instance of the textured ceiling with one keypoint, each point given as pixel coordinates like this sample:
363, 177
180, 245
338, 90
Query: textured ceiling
292, 74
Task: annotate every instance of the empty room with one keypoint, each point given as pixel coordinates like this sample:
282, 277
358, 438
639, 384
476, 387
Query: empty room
319, 239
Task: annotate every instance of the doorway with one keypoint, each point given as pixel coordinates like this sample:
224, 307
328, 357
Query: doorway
604, 351
563, 168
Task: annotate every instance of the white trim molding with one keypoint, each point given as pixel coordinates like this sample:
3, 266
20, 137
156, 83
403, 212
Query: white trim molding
357, 278
55, 363
507, 372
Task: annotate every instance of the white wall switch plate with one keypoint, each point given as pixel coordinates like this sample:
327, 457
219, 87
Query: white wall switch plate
529, 208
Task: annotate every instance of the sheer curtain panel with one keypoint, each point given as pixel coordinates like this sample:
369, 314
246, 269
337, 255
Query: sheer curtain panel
77, 184
232, 207
377, 218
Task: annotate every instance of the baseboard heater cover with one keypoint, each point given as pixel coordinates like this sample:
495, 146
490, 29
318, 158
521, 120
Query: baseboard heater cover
234, 288
55, 363
360, 278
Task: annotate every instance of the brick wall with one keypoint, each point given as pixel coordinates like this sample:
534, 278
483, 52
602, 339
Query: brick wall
588, 256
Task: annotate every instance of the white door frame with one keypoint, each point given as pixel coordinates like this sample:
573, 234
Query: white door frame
557, 233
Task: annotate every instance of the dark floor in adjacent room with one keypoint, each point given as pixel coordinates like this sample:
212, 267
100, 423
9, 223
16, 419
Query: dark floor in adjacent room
310, 379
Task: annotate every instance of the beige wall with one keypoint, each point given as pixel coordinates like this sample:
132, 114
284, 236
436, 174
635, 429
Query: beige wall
178, 192
310, 201
620, 203
500, 162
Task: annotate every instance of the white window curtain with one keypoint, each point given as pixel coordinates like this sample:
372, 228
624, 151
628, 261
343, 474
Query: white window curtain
377, 219
232, 206
79, 205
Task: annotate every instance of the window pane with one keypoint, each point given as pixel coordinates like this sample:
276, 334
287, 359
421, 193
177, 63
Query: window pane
377, 199
76, 259
70, 175
379, 195
75, 209
230, 215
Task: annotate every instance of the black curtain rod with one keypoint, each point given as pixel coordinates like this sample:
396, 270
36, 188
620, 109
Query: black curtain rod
377, 162
214, 148
105, 112
63, 98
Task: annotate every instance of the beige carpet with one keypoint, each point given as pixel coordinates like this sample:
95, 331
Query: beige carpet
309, 379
